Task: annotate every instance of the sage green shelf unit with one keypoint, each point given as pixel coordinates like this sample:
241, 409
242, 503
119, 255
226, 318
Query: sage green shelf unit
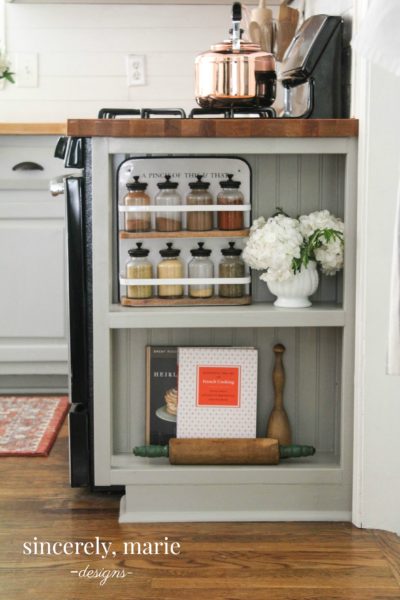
300, 175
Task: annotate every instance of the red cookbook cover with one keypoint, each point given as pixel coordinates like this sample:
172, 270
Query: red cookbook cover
217, 392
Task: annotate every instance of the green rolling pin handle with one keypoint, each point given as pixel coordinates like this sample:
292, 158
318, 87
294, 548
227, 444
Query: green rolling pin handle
296, 451
154, 451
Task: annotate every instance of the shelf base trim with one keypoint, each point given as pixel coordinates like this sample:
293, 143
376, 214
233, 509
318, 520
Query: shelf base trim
136, 512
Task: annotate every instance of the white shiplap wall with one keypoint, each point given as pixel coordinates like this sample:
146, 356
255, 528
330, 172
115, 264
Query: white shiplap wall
82, 49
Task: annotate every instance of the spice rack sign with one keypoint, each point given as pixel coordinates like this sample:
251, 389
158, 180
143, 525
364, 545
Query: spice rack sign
183, 222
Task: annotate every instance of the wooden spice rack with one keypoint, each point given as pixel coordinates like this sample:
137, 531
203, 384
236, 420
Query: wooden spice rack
187, 301
183, 169
213, 233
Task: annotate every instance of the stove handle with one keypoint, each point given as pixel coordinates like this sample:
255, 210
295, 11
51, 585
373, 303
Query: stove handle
71, 150
74, 156
61, 147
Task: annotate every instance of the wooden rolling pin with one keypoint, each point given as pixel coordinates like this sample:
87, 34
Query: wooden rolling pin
223, 451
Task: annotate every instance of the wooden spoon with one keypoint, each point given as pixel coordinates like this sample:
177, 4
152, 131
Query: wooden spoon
263, 16
267, 37
255, 32
287, 25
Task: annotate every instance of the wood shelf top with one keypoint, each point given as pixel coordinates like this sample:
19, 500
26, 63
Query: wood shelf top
321, 314
213, 233
229, 128
33, 128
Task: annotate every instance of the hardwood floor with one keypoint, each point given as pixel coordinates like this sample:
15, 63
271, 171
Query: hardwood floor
235, 561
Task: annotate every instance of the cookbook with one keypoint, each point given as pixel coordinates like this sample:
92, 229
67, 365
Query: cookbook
217, 392
161, 393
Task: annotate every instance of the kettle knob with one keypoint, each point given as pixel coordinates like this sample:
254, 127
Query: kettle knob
236, 11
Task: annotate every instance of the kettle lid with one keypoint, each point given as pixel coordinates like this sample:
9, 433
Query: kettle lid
227, 46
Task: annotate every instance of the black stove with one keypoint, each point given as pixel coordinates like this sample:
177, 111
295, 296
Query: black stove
222, 113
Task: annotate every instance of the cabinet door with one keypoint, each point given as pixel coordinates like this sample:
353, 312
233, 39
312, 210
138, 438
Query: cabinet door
33, 321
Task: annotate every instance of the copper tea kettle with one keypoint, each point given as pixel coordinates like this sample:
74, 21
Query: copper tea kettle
235, 72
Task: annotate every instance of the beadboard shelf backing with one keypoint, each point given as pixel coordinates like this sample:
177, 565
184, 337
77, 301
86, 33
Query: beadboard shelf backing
312, 389
298, 184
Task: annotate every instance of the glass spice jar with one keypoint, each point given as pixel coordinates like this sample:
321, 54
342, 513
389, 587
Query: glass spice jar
230, 194
231, 265
199, 195
139, 267
168, 196
170, 267
201, 267
136, 196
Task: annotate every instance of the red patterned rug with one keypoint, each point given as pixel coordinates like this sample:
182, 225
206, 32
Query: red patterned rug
29, 424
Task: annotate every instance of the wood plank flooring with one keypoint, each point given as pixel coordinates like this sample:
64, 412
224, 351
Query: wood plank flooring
218, 561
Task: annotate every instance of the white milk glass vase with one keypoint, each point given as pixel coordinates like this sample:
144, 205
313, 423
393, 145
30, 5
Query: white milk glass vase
295, 292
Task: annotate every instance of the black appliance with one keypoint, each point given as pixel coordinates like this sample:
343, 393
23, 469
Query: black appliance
79, 295
313, 73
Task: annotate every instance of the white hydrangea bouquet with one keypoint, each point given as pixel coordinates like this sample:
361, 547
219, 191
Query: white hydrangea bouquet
5, 72
289, 250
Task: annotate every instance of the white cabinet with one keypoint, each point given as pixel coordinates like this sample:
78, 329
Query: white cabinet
33, 316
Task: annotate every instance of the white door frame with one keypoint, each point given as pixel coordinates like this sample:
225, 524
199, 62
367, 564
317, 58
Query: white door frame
360, 109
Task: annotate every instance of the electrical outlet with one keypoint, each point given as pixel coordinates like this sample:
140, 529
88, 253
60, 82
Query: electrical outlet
26, 70
135, 69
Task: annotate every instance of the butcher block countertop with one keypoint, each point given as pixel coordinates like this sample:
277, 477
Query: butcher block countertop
274, 128
33, 128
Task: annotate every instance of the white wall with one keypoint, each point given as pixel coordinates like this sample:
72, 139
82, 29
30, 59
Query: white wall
82, 49
377, 490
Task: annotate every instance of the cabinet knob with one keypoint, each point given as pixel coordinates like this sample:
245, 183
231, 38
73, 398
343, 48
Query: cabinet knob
27, 166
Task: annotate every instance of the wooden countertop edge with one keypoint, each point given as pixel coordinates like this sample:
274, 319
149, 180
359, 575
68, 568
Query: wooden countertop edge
33, 128
287, 128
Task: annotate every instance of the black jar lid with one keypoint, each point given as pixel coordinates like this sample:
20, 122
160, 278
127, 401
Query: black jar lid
200, 251
169, 252
136, 185
139, 251
167, 184
199, 184
231, 251
230, 183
